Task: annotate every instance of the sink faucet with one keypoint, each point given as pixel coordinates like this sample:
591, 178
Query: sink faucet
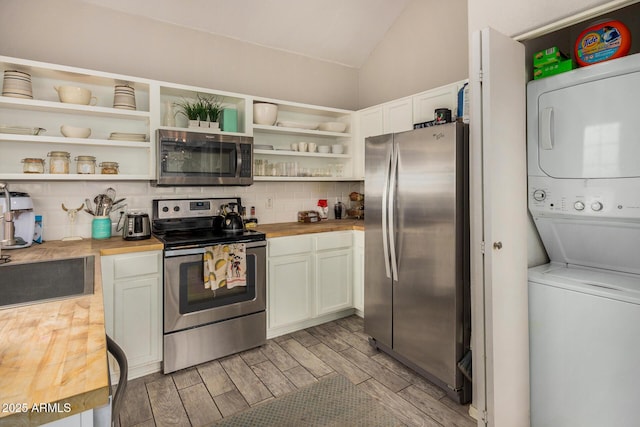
9, 227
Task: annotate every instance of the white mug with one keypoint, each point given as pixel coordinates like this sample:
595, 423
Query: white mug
294, 146
302, 146
312, 147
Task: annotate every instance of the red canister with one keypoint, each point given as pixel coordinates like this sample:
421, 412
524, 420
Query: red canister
602, 42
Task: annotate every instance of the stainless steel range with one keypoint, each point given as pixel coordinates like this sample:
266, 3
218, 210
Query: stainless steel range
205, 319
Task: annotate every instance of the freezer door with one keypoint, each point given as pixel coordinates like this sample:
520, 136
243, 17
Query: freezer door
427, 299
377, 276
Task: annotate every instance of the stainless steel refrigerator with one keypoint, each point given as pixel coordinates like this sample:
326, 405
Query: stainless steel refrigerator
417, 251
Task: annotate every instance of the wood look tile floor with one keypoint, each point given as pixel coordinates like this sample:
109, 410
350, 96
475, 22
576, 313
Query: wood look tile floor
205, 393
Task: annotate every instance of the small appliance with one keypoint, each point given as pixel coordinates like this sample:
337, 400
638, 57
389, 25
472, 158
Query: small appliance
200, 159
23, 219
136, 226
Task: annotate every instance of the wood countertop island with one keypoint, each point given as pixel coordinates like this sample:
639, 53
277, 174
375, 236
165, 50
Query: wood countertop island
53, 355
297, 228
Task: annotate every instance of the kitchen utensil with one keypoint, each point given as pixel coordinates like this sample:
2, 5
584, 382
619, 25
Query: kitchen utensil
302, 146
21, 130
337, 149
89, 206
111, 192
265, 113
75, 132
232, 220
75, 95
332, 126
298, 125
101, 227
324, 149
312, 147
124, 97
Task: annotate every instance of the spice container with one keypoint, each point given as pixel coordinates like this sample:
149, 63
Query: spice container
109, 168
33, 165
58, 162
85, 164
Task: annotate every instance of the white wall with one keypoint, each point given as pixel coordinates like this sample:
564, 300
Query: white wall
75, 33
425, 48
288, 198
519, 16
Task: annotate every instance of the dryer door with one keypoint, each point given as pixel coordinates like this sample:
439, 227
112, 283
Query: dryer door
591, 129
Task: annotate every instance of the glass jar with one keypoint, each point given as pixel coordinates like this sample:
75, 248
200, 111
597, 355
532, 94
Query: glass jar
33, 165
109, 168
58, 162
85, 164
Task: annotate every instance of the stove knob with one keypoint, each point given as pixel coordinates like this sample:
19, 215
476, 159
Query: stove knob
596, 206
165, 209
579, 206
176, 208
539, 195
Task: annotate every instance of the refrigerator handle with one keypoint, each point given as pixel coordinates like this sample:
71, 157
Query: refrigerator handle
385, 220
391, 207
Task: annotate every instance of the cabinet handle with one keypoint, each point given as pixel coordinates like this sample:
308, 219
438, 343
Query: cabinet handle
497, 245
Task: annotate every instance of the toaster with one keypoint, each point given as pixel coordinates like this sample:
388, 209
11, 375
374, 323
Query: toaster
136, 226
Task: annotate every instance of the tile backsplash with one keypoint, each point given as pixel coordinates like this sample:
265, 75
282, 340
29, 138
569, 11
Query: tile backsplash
287, 198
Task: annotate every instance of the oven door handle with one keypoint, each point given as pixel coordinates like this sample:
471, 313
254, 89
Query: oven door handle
200, 250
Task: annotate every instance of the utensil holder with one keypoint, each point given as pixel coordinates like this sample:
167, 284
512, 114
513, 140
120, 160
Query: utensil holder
101, 227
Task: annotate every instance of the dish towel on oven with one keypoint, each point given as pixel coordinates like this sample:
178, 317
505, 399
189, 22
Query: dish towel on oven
225, 265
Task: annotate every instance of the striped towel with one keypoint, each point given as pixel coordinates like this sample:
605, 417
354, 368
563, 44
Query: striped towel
225, 265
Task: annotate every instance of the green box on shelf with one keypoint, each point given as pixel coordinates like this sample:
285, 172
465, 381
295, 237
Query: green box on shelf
229, 120
548, 56
553, 69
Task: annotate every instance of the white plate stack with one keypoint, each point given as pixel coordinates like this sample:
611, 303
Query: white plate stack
122, 136
124, 97
17, 84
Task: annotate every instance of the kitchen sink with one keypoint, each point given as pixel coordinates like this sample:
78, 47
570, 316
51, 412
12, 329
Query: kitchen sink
41, 281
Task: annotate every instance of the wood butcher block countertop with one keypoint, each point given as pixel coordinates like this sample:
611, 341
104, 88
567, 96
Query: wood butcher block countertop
53, 355
296, 228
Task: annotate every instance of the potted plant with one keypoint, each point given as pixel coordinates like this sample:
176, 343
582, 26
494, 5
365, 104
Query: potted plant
214, 107
195, 111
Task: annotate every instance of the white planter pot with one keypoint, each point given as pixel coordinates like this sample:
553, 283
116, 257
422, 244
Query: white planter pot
214, 125
194, 123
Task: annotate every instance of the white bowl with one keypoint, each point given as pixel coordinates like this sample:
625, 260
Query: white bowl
265, 113
324, 149
332, 126
75, 132
73, 94
337, 149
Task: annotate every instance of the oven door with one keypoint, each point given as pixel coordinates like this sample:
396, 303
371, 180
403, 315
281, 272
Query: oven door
187, 303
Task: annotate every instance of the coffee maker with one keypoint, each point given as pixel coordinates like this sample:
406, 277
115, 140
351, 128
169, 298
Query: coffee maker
22, 217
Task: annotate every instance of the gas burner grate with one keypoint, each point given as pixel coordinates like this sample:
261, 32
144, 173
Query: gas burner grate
5, 259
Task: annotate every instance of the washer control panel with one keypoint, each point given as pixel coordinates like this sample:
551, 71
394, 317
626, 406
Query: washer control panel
606, 198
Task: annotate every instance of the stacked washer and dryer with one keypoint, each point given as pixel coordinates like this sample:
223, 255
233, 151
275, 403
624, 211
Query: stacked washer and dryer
584, 196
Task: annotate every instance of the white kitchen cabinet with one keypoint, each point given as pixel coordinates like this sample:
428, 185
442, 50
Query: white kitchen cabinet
290, 280
425, 103
132, 288
298, 123
358, 272
136, 158
371, 122
334, 271
83, 419
397, 115
309, 280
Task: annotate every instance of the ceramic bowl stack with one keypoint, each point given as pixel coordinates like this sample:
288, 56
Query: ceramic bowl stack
17, 84
122, 136
124, 97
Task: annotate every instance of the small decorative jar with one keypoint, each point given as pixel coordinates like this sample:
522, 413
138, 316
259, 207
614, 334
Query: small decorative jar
32, 165
58, 162
85, 164
109, 168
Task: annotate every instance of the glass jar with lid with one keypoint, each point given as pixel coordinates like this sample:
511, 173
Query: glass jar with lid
33, 165
85, 164
58, 162
109, 168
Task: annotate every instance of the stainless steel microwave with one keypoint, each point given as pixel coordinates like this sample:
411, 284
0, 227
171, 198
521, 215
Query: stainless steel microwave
203, 159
